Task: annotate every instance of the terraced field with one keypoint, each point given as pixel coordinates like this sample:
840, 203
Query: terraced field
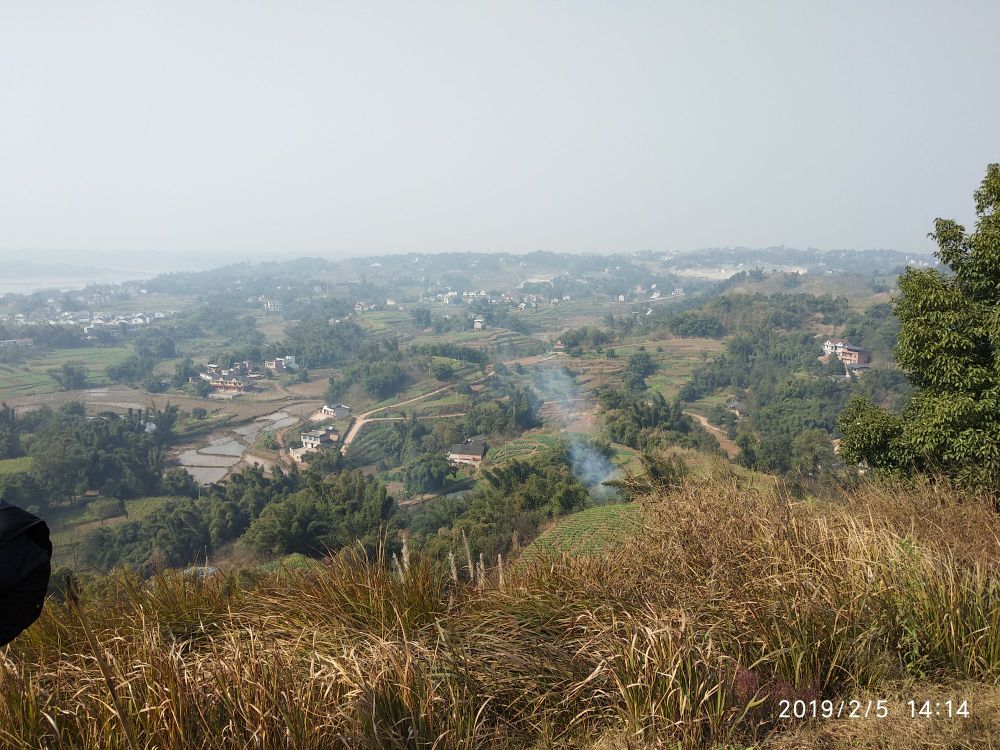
68, 526
520, 448
501, 341
9, 466
589, 532
145, 506
32, 377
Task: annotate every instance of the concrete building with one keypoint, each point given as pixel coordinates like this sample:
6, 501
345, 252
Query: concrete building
471, 451
336, 410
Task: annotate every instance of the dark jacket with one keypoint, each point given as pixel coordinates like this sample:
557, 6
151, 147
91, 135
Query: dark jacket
25, 566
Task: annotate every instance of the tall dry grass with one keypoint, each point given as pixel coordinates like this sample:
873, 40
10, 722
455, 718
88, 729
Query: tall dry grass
732, 598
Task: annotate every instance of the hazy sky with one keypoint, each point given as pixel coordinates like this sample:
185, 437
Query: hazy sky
268, 129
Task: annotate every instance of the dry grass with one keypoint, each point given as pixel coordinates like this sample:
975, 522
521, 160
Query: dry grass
687, 636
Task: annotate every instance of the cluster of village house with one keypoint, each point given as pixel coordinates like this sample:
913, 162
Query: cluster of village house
242, 376
533, 301
471, 452
856, 360
325, 436
8, 343
92, 323
321, 437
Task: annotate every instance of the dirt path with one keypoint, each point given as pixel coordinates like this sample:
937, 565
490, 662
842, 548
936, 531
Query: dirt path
365, 417
731, 449
356, 428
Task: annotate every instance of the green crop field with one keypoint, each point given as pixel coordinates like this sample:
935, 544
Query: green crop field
32, 377
69, 525
145, 506
520, 448
9, 466
447, 403
589, 532
704, 405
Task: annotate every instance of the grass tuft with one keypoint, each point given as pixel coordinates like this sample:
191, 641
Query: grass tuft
686, 633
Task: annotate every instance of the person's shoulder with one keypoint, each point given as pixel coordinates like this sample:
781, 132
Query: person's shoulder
15, 521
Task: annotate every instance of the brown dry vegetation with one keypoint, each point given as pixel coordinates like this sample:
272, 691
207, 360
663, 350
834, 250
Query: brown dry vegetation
686, 636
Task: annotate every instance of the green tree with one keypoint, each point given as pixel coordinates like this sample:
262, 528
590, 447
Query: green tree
70, 377
421, 317
384, 379
105, 508
329, 515
443, 370
949, 347
178, 481
811, 454
23, 489
426, 473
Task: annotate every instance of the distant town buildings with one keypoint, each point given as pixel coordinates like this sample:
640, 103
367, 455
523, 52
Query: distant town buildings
114, 324
8, 343
231, 384
230, 381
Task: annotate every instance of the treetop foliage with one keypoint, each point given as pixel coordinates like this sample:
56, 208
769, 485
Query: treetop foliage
949, 346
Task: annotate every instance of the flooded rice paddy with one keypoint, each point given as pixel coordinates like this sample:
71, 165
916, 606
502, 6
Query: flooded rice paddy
227, 448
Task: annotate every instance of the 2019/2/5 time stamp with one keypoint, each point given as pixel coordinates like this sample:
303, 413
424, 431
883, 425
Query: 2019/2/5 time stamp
879, 709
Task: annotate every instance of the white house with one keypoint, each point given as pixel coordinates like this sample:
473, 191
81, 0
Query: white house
834, 346
316, 439
336, 410
281, 364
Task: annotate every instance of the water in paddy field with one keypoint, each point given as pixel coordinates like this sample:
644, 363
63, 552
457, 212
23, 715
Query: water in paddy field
198, 458
223, 448
226, 448
207, 474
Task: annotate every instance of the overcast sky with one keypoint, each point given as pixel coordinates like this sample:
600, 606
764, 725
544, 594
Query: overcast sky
269, 129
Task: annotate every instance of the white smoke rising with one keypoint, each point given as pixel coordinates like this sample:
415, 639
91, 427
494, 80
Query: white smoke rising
587, 463
592, 468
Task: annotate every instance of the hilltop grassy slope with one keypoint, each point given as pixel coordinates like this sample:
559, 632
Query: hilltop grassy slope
686, 633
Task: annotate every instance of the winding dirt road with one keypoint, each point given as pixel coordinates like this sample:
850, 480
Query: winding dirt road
365, 417
731, 449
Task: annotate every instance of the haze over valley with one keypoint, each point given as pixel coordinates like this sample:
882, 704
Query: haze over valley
499, 376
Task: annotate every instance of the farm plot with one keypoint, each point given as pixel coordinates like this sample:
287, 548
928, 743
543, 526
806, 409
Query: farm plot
521, 448
589, 532
32, 377
11, 466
